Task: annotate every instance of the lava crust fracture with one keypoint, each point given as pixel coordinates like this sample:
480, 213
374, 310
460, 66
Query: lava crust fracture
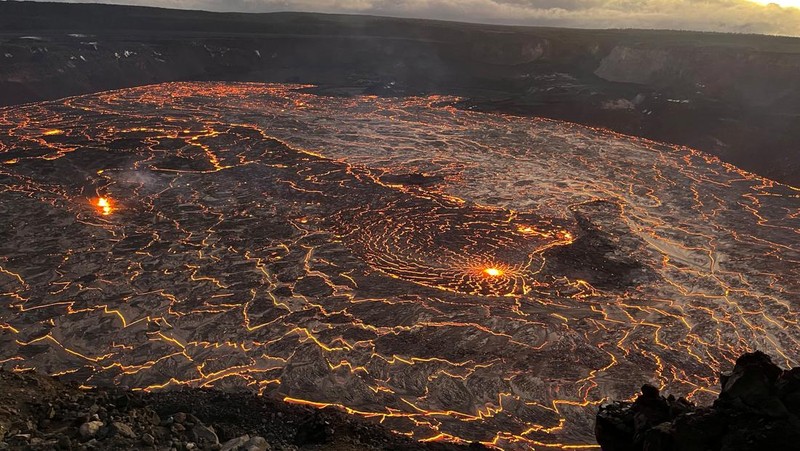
456, 275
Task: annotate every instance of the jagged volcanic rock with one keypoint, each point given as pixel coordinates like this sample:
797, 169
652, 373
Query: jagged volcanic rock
757, 409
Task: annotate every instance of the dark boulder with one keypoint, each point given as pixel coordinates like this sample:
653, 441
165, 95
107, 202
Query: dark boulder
757, 409
614, 427
629, 426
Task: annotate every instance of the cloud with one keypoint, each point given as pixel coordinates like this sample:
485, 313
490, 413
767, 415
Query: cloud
740, 16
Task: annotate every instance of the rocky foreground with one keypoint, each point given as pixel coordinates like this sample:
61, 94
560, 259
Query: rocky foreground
40, 413
757, 409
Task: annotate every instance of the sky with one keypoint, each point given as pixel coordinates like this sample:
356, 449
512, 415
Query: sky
739, 16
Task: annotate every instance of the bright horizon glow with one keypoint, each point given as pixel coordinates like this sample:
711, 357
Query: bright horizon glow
783, 3
767, 17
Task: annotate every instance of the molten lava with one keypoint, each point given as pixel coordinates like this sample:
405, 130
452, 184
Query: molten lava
493, 272
104, 204
549, 268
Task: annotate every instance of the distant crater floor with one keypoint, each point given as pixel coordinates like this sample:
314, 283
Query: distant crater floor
455, 275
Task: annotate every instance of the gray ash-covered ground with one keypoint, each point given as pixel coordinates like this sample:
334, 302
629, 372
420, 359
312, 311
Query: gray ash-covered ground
457, 276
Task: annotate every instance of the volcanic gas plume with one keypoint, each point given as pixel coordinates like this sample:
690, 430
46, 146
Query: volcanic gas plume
455, 275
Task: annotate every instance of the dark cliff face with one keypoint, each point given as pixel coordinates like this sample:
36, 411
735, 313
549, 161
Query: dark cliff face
735, 96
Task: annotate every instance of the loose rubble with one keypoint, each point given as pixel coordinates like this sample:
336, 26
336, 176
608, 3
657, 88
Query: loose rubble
41, 413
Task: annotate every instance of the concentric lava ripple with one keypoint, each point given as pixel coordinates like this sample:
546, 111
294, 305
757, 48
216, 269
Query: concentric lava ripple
455, 275
451, 246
